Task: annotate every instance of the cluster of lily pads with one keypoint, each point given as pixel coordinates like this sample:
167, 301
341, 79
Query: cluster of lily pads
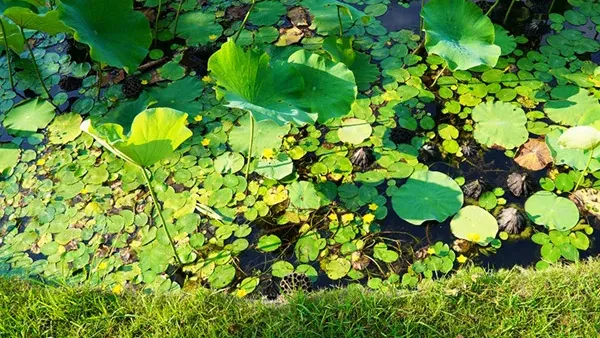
163, 144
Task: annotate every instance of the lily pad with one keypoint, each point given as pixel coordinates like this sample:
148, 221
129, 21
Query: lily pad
27, 117
65, 128
474, 224
554, 212
275, 168
267, 135
500, 124
569, 106
303, 195
9, 157
198, 27
268, 243
101, 24
337, 268
355, 131
459, 32
427, 195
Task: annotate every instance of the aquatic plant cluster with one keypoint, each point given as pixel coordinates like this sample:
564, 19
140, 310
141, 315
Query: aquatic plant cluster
270, 146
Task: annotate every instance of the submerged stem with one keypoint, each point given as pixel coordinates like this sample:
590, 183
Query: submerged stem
36, 68
251, 145
584, 172
492, 8
512, 3
160, 215
10, 75
177, 17
237, 35
551, 7
157, 17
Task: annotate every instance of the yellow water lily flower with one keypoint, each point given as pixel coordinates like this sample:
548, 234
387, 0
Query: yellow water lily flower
461, 259
40, 162
205, 142
368, 218
474, 237
373, 206
333, 217
102, 266
117, 289
144, 82
347, 218
241, 293
431, 251
198, 118
206, 78
268, 154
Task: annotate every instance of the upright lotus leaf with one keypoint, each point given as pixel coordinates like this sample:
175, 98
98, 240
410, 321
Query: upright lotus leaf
474, 224
249, 81
341, 50
325, 15
571, 105
459, 32
574, 158
507, 43
13, 36
554, 212
427, 195
47, 22
329, 87
117, 35
27, 117
198, 27
155, 134
582, 137
500, 124
9, 157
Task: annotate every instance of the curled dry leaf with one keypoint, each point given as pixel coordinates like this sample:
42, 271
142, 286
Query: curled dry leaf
534, 155
289, 36
588, 201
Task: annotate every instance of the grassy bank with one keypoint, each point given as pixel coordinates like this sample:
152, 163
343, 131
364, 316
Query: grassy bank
559, 302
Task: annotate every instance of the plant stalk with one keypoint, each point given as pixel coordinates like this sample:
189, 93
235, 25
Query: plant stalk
177, 17
551, 7
160, 214
37, 69
8, 60
99, 82
339, 15
157, 18
251, 145
512, 3
492, 8
239, 32
421, 18
584, 172
438, 76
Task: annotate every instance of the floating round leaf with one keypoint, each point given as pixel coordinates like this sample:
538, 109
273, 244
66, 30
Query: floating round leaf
459, 32
474, 224
117, 35
427, 195
275, 168
222, 276
9, 157
500, 124
27, 117
198, 27
355, 131
303, 195
570, 105
554, 212
534, 155
337, 268
268, 243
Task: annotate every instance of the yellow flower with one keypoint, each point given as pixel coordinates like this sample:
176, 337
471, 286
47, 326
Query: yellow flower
473, 237
117, 289
205, 142
431, 251
333, 217
373, 206
144, 82
84, 191
198, 118
206, 78
213, 37
241, 293
347, 218
368, 218
268, 154
461, 259
102, 266
41, 162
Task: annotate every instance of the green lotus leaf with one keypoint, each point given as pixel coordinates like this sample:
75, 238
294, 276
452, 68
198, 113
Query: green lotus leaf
268, 243
13, 35
337, 268
574, 158
155, 134
329, 87
198, 27
268, 90
303, 195
27, 117
9, 157
500, 124
582, 137
117, 35
459, 32
554, 212
474, 224
281, 269
222, 276
47, 22
325, 13
506, 42
276, 168
180, 95
64, 128
341, 50
570, 105
267, 13
355, 131
267, 135
427, 195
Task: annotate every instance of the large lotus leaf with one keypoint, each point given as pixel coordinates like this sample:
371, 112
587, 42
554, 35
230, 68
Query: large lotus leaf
267, 13
29, 116
340, 49
117, 35
125, 112
276, 168
574, 158
474, 224
459, 32
355, 131
155, 134
9, 157
47, 22
500, 124
554, 212
507, 43
249, 81
199, 27
571, 105
581, 137
13, 36
329, 87
179, 95
267, 135
427, 195
325, 14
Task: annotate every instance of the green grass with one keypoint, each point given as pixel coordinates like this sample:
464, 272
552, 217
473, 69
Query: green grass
559, 302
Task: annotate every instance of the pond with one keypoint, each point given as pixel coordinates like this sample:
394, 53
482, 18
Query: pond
260, 148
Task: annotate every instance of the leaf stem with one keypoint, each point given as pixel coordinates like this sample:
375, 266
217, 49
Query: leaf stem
177, 17
512, 3
492, 8
584, 172
438, 76
99, 82
551, 7
160, 214
421, 18
8, 59
157, 18
237, 35
339, 15
251, 145
36, 68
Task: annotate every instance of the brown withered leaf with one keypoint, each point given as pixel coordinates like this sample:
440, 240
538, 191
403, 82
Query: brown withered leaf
289, 36
534, 155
